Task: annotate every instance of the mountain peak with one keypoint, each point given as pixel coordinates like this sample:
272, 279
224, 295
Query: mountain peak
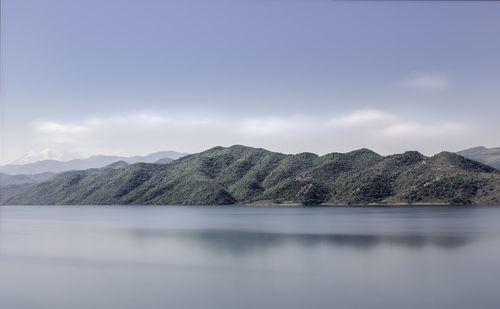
363, 151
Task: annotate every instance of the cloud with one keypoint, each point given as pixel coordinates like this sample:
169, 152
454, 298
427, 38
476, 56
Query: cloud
421, 130
52, 127
262, 126
52, 132
401, 129
362, 118
142, 133
119, 134
272, 126
427, 82
382, 124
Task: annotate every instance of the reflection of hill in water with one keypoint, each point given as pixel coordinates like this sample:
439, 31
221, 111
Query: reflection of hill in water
246, 241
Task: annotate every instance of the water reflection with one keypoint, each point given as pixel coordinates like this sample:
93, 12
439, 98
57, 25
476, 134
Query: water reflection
244, 242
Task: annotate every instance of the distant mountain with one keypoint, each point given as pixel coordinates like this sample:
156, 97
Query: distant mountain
55, 166
6, 180
244, 175
489, 156
44, 154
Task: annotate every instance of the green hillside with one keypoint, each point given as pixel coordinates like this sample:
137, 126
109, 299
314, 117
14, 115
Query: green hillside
245, 175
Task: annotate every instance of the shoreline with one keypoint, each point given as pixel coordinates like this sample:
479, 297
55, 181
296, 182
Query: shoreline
258, 204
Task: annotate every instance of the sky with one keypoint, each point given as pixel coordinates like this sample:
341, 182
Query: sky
121, 77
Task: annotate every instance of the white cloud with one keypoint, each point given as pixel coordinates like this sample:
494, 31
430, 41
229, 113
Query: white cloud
401, 129
362, 118
142, 133
383, 124
262, 126
272, 126
51, 127
56, 133
410, 129
428, 82
137, 133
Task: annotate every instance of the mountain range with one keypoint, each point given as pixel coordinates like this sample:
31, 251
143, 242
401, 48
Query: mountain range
245, 175
55, 166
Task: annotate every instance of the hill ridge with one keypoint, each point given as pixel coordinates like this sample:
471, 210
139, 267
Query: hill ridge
245, 175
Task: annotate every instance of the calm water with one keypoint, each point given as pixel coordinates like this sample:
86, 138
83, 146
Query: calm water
249, 257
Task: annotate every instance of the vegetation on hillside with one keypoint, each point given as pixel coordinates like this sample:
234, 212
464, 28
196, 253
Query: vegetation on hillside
241, 175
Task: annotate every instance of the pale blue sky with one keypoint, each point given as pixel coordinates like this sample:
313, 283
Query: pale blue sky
132, 77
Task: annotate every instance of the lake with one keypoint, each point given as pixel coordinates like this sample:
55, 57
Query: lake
249, 257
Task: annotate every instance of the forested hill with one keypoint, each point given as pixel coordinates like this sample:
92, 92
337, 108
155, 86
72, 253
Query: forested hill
245, 175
